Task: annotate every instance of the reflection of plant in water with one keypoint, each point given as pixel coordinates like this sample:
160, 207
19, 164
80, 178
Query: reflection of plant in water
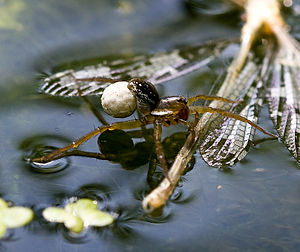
78, 215
13, 216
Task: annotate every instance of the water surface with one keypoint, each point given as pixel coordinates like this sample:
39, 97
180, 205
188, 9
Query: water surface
253, 206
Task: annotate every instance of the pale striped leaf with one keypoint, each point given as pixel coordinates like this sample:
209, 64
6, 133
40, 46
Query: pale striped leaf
156, 68
283, 96
225, 140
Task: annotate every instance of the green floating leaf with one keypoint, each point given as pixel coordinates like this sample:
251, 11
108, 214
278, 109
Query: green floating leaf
13, 217
3, 204
80, 206
78, 215
72, 222
96, 218
88, 211
10, 13
2, 230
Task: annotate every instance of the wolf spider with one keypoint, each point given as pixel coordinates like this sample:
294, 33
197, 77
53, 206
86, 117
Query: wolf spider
166, 111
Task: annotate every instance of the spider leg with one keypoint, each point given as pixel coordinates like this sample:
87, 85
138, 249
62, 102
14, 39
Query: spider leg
191, 126
151, 169
159, 149
119, 125
93, 109
209, 98
98, 79
158, 197
202, 110
153, 156
88, 102
80, 153
259, 141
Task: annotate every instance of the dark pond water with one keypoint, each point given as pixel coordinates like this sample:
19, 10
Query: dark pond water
253, 207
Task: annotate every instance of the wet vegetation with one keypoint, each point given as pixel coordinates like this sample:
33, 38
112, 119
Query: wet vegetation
253, 205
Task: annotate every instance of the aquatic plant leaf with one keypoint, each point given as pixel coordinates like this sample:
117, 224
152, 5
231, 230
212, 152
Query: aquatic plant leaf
60, 215
10, 13
78, 215
13, 217
88, 211
2, 230
283, 96
3, 204
96, 218
81, 205
156, 68
226, 140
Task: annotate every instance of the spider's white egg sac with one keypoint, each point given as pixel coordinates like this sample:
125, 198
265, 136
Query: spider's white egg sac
117, 100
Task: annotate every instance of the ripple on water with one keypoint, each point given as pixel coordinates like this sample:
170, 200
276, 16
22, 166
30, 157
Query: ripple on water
49, 167
78, 238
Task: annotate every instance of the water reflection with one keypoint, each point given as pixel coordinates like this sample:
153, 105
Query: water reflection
213, 8
119, 147
130, 149
122, 227
97, 192
35, 147
272, 214
78, 238
52, 166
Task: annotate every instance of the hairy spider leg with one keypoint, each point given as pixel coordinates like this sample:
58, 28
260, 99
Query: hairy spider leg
97, 155
87, 101
119, 125
158, 145
158, 197
152, 168
93, 108
159, 149
209, 98
202, 110
158, 130
99, 79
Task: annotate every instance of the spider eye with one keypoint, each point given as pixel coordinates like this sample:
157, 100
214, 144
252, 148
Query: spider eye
182, 100
145, 93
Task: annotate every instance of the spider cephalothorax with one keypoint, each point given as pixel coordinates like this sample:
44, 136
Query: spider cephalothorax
171, 110
168, 110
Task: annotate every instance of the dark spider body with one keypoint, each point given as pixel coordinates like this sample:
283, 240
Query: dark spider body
146, 95
168, 110
171, 110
